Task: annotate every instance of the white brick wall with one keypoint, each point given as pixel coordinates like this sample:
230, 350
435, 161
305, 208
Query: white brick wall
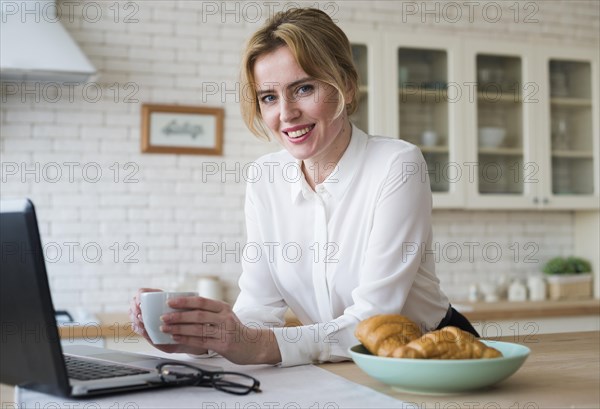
492, 245
152, 215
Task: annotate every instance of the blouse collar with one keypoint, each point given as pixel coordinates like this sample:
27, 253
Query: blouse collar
339, 180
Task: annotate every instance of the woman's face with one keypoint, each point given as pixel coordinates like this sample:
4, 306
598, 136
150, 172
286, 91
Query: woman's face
300, 110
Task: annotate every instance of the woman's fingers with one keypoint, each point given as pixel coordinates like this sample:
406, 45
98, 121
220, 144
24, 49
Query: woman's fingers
194, 330
202, 324
212, 344
132, 310
135, 317
192, 317
197, 303
137, 323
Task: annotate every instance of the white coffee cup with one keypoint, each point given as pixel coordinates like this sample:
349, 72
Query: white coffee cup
153, 306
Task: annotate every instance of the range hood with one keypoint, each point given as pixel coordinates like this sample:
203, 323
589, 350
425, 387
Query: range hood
34, 46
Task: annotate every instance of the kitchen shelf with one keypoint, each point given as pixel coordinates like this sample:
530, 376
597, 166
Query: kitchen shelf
504, 96
424, 94
572, 154
434, 149
571, 102
501, 151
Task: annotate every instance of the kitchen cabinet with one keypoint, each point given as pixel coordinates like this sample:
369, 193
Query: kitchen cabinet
568, 123
502, 125
502, 168
546, 101
422, 73
366, 53
360, 54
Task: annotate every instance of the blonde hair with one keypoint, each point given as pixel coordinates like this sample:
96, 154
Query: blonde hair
319, 46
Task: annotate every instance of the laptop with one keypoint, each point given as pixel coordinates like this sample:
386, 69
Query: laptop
31, 353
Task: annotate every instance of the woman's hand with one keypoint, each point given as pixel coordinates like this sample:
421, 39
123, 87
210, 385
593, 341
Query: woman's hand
135, 315
212, 325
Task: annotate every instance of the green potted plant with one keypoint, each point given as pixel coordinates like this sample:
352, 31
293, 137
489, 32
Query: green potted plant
568, 278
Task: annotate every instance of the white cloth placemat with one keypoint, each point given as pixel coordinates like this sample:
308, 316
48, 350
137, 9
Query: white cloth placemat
304, 386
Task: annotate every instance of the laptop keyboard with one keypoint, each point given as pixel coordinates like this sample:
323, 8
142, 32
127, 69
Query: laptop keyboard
86, 370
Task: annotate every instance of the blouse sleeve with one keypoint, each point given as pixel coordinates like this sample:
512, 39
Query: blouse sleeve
259, 303
402, 218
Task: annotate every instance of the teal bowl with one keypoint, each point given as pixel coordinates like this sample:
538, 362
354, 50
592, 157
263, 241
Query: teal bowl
441, 376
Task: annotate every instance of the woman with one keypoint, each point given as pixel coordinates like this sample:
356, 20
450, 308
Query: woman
342, 241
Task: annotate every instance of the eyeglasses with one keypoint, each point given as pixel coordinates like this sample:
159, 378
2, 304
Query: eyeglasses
181, 374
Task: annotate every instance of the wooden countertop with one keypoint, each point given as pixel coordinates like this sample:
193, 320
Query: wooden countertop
111, 325
117, 325
562, 371
568, 363
482, 311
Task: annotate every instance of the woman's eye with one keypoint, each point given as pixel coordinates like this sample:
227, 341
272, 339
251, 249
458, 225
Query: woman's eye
267, 98
304, 89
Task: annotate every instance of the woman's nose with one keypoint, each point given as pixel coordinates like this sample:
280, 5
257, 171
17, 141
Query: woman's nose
288, 110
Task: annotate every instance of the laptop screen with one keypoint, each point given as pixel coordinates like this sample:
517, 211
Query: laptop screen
31, 353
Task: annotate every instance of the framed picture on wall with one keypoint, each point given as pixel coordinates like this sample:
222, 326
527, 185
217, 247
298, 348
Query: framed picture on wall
182, 129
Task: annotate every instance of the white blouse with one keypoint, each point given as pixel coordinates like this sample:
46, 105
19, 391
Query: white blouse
355, 247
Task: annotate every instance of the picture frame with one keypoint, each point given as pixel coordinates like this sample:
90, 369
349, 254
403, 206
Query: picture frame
182, 129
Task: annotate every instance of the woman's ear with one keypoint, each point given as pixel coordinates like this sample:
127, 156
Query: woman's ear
350, 94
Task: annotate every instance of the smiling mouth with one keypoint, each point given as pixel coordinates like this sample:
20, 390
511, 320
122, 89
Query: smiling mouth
299, 132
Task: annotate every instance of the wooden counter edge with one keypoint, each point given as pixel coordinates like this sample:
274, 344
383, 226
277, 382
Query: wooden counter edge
117, 325
530, 309
110, 325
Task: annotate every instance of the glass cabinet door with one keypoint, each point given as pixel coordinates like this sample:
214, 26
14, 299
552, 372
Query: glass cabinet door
502, 132
499, 124
360, 57
423, 108
571, 136
366, 53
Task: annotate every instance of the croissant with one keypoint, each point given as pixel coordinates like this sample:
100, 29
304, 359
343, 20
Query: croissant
446, 343
383, 334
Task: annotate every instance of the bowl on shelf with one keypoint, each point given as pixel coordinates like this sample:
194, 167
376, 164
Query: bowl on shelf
440, 376
491, 137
